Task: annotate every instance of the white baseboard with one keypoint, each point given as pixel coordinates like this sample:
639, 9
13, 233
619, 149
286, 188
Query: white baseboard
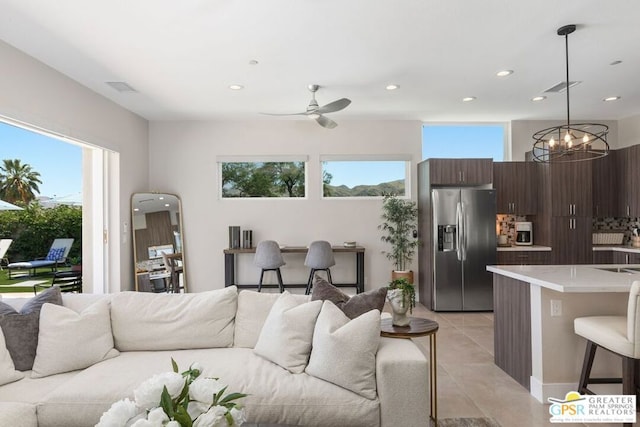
543, 391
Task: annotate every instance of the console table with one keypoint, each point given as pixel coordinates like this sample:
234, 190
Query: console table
230, 266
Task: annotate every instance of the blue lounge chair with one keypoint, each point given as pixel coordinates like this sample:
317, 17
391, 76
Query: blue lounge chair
57, 256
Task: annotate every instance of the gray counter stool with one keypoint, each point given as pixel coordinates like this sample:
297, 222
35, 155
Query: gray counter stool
618, 334
319, 258
269, 258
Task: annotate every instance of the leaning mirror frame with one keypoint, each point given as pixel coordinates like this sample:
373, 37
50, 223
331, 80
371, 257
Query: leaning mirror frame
158, 242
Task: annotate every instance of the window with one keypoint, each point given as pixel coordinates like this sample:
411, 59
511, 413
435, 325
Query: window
348, 177
463, 141
263, 179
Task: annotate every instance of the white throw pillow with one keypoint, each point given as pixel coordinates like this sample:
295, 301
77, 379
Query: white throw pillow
286, 336
68, 341
253, 309
146, 321
8, 373
344, 350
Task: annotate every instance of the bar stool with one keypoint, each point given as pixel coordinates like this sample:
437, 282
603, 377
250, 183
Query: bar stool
319, 258
269, 258
618, 334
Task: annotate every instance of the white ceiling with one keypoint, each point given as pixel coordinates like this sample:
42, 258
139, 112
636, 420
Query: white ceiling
181, 56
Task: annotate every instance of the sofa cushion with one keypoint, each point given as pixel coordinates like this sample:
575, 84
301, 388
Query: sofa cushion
8, 373
351, 306
147, 321
18, 414
21, 329
253, 309
275, 395
29, 390
286, 336
69, 341
344, 350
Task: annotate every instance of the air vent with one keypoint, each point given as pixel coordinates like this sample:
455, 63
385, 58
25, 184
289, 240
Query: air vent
561, 87
121, 86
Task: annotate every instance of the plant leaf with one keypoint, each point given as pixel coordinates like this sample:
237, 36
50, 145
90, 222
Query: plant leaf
229, 418
232, 396
174, 365
166, 403
182, 417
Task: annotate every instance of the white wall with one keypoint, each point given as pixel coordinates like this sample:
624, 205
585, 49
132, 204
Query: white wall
36, 94
522, 131
629, 129
183, 161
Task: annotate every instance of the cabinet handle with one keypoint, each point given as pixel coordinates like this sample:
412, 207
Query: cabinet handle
460, 176
626, 258
628, 210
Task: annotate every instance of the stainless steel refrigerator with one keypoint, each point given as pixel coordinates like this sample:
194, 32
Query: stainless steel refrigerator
464, 239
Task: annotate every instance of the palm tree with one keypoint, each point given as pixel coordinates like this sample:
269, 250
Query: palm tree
18, 182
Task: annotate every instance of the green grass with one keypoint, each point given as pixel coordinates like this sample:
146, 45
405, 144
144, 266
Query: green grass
13, 285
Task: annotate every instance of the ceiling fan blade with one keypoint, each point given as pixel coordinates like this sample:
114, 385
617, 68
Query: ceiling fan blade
326, 122
331, 107
285, 114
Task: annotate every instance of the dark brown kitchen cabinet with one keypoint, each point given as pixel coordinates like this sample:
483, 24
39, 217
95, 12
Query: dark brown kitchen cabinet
516, 187
627, 161
571, 189
523, 257
605, 186
626, 258
571, 240
603, 257
460, 171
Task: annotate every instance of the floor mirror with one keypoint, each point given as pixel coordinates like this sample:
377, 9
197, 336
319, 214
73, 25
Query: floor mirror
158, 243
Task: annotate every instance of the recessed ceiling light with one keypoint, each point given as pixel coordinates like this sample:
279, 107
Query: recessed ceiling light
469, 99
616, 62
161, 198
612, 98
236, 87
504, 73
167, 205
136, 209
392, 87
538, 98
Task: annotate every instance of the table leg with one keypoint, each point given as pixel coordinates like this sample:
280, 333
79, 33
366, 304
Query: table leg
360, 272
229, 269
433, 378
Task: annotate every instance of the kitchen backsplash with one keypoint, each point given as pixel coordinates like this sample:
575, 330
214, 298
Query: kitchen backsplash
623, 224
506, 225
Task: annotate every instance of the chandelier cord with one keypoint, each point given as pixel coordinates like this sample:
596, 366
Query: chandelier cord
566, 47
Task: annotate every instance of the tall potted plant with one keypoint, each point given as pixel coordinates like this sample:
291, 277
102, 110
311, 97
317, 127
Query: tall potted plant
399, 225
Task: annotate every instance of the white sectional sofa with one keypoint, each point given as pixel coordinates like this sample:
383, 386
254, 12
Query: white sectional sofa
217, 329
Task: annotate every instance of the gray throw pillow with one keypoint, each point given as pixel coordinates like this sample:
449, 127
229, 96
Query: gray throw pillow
21, 329
351, 306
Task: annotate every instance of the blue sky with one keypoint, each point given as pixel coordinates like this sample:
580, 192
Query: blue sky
463, 141
59, 163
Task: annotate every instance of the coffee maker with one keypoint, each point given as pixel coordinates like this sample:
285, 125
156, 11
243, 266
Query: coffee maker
524, 233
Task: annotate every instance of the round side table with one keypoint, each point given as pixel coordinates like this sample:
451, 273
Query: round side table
419, 327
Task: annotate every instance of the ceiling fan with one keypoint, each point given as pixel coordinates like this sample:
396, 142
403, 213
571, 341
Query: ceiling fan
316, 112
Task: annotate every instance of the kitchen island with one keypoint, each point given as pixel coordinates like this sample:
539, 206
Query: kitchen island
534, 309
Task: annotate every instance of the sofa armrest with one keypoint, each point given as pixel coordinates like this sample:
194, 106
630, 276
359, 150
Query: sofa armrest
402, 377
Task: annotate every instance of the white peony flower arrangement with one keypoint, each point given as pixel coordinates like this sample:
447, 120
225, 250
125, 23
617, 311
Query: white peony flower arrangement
173, 399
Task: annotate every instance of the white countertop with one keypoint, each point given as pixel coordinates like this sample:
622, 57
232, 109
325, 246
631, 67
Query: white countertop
523, 248
572, 278
617, 248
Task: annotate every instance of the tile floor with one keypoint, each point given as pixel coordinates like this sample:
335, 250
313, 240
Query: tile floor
469, 383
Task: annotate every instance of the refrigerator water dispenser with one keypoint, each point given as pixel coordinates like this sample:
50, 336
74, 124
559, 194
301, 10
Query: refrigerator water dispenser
447, 238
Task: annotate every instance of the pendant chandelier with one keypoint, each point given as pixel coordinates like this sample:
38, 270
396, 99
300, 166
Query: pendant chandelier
570, 142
